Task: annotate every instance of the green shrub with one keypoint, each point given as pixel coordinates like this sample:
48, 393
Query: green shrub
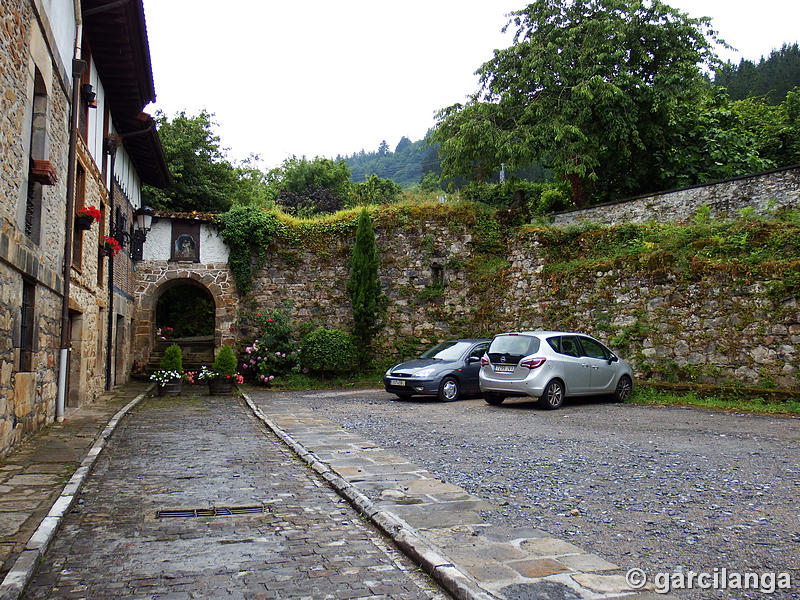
329, 351
172, 359
225, 362
552, 200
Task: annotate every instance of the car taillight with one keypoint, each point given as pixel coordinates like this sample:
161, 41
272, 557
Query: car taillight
532, 361
484, 360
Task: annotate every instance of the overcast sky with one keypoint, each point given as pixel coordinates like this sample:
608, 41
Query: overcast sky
320, 78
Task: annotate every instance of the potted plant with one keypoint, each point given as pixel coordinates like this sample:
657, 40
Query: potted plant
169, 376
85, 216
222, 375
111, 245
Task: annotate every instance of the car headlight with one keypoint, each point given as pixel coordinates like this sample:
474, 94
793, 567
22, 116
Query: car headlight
389, 371
426, 372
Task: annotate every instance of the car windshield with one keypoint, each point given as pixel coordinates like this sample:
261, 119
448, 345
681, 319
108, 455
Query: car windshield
446, 351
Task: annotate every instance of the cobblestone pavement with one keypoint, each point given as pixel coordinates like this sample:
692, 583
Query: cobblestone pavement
666, 490
32, 476
200, 452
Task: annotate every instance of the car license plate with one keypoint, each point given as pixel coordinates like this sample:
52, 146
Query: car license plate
504, 368
399, 382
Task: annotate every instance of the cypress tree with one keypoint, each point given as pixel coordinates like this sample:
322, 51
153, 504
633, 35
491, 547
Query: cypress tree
364, 288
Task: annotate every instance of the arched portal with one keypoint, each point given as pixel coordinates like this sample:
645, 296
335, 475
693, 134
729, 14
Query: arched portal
185, 314
191, 301
185, 309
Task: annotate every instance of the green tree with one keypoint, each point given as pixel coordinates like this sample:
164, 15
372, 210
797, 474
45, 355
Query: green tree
587, 87
771, 78
364, 288
312, 186
776, 129
202, 179
716, 143
376, 190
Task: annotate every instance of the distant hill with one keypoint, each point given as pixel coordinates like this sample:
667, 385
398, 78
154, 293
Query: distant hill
771, 77
405, 166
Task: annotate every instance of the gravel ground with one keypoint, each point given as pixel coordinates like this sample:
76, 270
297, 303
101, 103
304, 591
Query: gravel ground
661, 489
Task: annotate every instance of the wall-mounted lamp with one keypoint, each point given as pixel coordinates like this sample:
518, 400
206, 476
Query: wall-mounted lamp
138, 232
89, 95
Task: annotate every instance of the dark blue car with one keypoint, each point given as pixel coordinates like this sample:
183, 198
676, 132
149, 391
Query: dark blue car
447, 371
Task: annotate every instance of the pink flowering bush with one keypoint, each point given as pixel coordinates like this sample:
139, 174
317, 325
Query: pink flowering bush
261, 365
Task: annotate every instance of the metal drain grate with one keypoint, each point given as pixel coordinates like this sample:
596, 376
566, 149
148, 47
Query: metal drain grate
213, 511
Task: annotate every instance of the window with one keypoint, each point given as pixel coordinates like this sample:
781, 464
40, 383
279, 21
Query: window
27, 328
479, 350
594, 349
36, 159
77, 232
511, 348
83, 112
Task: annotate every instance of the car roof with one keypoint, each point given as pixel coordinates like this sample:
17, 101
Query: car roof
543, 332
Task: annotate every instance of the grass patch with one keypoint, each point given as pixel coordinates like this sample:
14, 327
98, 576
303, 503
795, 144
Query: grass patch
652, 396
371, 379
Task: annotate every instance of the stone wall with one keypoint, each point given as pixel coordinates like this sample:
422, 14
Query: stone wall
27, 399
711, 329
714, 329
764, 192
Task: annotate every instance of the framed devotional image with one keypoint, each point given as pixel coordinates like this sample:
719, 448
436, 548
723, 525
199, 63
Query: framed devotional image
185, 242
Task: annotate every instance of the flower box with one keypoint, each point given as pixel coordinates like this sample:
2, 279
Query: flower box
42, 171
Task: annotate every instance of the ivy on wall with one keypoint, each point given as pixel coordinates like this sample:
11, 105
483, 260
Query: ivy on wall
248, 232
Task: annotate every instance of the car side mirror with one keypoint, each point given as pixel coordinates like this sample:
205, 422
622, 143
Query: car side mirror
473, 359
612, 359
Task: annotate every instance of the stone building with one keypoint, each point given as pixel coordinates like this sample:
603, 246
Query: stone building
74, 78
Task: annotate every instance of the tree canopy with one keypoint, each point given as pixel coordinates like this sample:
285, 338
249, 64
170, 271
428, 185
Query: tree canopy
202, 179
590, 88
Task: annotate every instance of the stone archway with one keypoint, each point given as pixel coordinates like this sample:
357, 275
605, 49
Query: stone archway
157, 278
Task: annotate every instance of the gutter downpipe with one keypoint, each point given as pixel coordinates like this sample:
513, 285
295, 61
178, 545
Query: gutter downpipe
78, 68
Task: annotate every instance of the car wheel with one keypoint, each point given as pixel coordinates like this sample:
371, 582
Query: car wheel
449, 389
624, 389
494, 399
553, 396
403, 395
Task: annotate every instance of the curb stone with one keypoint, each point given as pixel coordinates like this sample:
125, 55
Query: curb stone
460, 585
21, 572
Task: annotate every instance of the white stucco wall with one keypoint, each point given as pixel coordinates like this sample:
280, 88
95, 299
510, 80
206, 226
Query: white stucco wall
59, 18
212, 248
158, 245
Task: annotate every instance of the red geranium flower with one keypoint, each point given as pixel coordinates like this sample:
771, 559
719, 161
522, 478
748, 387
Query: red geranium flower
89, 211
112, 244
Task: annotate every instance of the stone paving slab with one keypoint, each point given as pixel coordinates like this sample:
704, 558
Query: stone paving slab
438, 523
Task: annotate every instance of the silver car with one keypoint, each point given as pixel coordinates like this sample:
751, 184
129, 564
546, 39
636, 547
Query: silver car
551, 365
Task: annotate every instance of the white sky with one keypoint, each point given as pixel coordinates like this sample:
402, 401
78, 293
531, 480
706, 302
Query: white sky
320, 78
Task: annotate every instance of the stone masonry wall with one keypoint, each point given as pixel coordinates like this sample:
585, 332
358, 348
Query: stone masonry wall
712, 330
27, 398
764, 192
